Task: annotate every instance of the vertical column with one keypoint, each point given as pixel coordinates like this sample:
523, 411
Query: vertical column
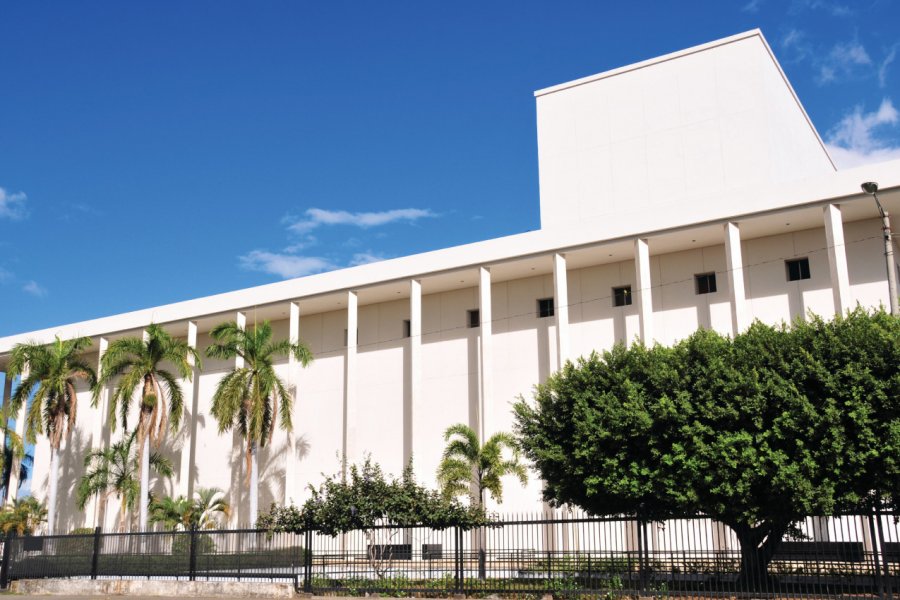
735, 264
837, 258
241, 320
561, 308
415, 366
485, 425
644, 291
348, 450
290, 460
92, 515
13, 489
189, 445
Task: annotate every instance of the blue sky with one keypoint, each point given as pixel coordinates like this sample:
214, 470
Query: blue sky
156, 152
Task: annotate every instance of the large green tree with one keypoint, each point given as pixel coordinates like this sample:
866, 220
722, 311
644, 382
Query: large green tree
135, 363
757, 431
252, 396
51, 373
467, 464
114, 471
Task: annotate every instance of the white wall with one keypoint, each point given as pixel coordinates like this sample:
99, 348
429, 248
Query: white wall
524, 354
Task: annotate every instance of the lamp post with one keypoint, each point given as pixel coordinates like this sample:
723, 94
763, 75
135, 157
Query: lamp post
871, 188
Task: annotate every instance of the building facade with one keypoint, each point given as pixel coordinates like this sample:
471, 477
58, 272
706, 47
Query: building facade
687, 191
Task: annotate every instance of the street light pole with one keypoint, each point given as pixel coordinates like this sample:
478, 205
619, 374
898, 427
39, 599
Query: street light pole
871, 188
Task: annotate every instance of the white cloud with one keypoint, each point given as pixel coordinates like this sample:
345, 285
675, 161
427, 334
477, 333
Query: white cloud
842, 61
364, 258
35, 289
285, 266
883, 67
5, 276
316, 217
12, 205
854, 140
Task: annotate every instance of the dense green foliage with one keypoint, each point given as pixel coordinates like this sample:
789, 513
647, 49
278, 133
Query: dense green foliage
368, 499
467, 465
756, 432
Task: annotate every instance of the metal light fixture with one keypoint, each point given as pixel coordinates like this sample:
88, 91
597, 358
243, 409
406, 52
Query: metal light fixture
871, 188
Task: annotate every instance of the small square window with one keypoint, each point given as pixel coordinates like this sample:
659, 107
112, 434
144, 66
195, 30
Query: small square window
545, 308
407, 328
797, 269
622, 296
473, 318
706, 283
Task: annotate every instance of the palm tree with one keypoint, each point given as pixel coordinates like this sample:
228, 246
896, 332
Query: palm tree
208, 503
113, 472
138, 362
250, 397
181, 514
22, 516
54, 370
466, 463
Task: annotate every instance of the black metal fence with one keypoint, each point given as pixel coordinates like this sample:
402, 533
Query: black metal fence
570, 556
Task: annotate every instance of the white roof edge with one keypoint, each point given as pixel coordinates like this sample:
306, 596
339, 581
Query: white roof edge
841, 185
650, 62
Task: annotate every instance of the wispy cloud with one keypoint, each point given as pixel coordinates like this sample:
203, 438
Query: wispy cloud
286, 266
887, 62
12, 204
835, 9
855, 141
316, 217
35, 289
843, 61
752, 6
795, 45
5, 276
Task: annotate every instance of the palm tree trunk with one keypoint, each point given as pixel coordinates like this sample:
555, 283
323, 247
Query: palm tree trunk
254, 484
143, 501
51, 495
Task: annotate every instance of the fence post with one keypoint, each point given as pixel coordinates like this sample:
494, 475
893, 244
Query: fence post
95, 556
457, 560
192, 564
642, 570
7, 553
888, 581
307, 563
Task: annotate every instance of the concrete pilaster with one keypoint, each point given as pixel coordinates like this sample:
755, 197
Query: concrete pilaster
837, 258
486, 426
350, 377
740, 313
561, 308
644, 293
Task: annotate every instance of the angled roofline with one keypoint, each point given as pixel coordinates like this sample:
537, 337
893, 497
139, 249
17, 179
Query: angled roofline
757, 33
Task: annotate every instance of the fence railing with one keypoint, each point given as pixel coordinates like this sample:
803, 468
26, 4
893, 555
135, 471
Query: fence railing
693, 556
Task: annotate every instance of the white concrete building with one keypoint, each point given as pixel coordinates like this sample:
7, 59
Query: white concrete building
685, 191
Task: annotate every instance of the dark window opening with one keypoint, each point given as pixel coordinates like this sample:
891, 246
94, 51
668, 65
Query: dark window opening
622, 296
706, 283
473, 318
797, 269
545, 308
407, 328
